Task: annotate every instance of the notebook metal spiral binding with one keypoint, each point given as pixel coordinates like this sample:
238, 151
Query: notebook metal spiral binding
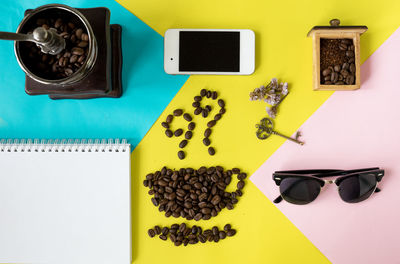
64, 145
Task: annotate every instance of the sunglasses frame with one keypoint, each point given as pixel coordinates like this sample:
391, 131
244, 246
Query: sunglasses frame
278, 176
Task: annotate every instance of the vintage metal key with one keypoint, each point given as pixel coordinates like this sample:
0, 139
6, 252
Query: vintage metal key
266, 128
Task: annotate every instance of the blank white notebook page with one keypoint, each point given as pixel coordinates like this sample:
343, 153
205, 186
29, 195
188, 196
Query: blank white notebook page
58, 206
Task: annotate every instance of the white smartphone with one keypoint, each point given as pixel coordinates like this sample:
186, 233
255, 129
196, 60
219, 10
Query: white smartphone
209, 51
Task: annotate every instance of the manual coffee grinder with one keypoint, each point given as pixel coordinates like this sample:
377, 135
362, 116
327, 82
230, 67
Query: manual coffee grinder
69, 53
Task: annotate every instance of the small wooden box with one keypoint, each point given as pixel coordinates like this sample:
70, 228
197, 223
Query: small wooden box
335, 31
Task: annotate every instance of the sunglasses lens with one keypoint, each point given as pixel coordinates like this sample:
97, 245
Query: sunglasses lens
357, 188
299, 190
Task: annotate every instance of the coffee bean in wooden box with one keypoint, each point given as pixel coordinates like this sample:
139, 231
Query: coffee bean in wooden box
336, 56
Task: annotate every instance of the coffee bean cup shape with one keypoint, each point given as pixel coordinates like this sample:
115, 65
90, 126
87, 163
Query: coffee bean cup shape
194, 194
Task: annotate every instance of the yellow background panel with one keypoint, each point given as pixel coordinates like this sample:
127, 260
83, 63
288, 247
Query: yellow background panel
282, 50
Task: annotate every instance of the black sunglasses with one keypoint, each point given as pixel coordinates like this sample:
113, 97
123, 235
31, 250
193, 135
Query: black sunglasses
303, 186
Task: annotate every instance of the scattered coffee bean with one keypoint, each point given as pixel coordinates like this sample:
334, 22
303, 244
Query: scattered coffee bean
187, 117
191, 126
209, 94
178, 132
196, 104
168, 133
207, 132
222, 111
183, 143
165, 125
181, 154
214, 95
197, 98
217, 117
157, 229
227, 227
211, 123
151, 232
178, 112
221, 103
231, 232
169, 119
204, 113
206, 141
198, 110
188, 135
211, 151
203, 92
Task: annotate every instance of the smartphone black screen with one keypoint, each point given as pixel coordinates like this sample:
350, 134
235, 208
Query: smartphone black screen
216, 51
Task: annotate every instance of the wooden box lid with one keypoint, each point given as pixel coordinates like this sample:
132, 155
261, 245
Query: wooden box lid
335, 27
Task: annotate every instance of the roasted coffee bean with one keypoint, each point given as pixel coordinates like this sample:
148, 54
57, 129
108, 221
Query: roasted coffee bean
165, 231
215, 230
203, 92
83, 44
202, 239
345, 66
227, 227
235, 171
85, 37
350, 53
337, 68
198, 110
169, 133
342, 46
326, 72
165, 125
196, 104
221, 103
182, 227
344, 73
222, 111
334, 77
208, 94
208, 107
151, 232
157, 229
188, 134
178, 132
163, 237
204, 113
78, 33
214, 95
183, 143
352, 68
211, 151
197, 98
207, 133
191, 126
339, 83
211, 123
187, 117
350, 80
231, 232
194, 229
178, 112
206, 141
240, 185
217, 117
198, 217
77, 51
222, 234
181, 154
242, 176
327, 78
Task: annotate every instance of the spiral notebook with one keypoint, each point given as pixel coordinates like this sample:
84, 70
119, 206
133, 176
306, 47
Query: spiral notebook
65, 202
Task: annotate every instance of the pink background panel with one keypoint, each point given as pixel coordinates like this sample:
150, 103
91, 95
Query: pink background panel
350, 130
